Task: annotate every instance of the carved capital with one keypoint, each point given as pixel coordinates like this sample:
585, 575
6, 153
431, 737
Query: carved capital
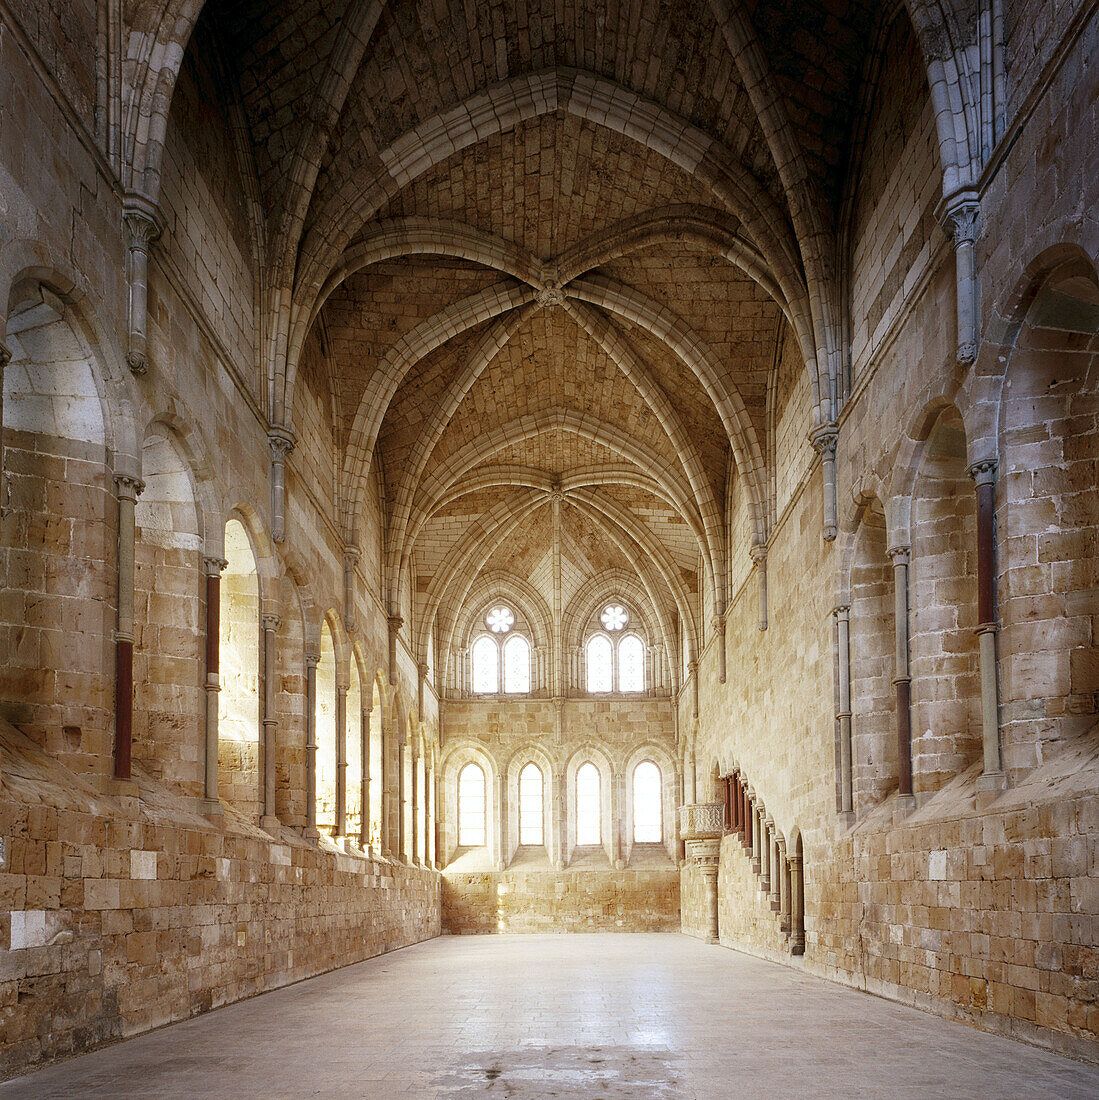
718, 623
758, 554
213, 567
141, 220
983, 471
962, 220
824, 440
128, 487
270, 622
312, 660
280, 442
900, 554
395, 622
842, 611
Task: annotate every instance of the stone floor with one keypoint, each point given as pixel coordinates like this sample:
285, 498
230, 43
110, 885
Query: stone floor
614, 1016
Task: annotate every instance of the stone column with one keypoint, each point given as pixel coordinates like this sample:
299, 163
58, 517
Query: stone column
502, 821
766, 824
128, 489
776, 868
280, 442
139, 216
993, 780
414, 805
783, 888
824, 440
401, 854
615, 793
350, 557
700, 824
395, 622
212, 568
842, 613
797, 914
902, 681
340, 824
757, 847
557, 819
961, 220
692, 671
5, 359
311, 662
364, 756
270, 722
759, 556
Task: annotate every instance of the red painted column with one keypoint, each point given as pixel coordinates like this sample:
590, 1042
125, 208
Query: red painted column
128, 489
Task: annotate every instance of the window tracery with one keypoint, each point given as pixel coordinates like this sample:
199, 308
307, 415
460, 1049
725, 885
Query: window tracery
500, 657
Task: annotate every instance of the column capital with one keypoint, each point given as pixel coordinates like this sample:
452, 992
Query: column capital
270, 621
128, 487
312, 660
280, 441
842, 611
960, 216
758, 554
351, 554
900, 554
5, 355
825, 439
213, 567
141, 218
395, 622
983, 471
717, 622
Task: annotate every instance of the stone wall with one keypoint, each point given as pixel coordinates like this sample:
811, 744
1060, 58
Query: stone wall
561, 901
124, 912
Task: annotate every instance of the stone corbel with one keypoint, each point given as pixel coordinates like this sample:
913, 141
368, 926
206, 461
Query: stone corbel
395, 623
961, 218
824, 440
142, 224
350, 557
280, 442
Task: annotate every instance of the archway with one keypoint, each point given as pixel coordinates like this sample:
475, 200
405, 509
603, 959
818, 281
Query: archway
874, 762
59, 535
326, 733
168, 662
239, 698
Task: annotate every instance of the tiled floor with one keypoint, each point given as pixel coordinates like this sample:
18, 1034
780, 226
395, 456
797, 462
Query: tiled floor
608, 1016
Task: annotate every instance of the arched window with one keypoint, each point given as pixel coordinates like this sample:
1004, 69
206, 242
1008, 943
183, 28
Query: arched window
530, 806
631, 664
471, 807
517, 666
588, 825
647, 809
600, 662
486, 666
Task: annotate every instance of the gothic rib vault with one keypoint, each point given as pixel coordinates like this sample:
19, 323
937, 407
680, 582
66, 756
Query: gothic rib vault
333, 328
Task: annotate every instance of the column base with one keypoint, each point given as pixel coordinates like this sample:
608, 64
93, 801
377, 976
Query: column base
211, 807
269, 823
619, 864
904, 807
710, 938
990, 785
117, 788
755, 865
797, 949
846, 818
311, 832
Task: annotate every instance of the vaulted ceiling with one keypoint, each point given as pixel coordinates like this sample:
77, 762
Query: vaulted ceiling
553, 247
